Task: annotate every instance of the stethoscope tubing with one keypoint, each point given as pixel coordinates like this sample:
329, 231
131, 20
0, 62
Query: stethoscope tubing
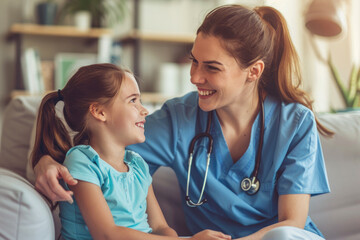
250, 185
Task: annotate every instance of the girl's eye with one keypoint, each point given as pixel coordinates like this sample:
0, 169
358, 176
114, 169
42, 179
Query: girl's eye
133, 100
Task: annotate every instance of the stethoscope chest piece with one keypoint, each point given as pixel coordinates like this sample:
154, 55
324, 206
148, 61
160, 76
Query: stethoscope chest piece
250, 186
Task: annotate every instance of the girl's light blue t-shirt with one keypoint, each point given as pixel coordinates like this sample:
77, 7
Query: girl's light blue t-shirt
125, 192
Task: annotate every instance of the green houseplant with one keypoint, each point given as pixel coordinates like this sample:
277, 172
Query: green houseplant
350, 94
103, 12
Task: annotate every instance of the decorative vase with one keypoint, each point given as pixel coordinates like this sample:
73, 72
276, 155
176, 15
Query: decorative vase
82, 20
46, 13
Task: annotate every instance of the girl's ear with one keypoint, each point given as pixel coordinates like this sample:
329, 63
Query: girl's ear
97, 111
255, 70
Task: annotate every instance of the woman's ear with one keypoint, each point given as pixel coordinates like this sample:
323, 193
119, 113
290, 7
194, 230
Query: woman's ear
97, 111
255, 70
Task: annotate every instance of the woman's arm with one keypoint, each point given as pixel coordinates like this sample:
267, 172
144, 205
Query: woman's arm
293, 211
48, 172
100, 222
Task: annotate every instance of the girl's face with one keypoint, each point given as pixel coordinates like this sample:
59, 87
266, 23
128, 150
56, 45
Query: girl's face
220, 80
126, 115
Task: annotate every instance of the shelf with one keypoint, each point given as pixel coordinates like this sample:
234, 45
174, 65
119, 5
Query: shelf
57, 31
146, 97
158, 37
71, 31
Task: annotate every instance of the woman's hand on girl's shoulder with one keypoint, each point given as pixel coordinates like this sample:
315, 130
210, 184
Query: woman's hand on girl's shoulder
210, 235
48, 172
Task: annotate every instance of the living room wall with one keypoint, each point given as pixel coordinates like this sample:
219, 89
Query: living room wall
317, 80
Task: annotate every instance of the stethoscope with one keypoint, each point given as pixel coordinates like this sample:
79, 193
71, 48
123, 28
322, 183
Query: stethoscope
250, 185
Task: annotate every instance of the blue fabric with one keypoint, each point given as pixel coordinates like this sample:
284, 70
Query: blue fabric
125, 192
292, 162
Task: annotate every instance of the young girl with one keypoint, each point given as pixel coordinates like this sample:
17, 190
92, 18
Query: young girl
114, 198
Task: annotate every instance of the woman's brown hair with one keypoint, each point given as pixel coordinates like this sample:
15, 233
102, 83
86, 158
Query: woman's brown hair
261, 34
97, 83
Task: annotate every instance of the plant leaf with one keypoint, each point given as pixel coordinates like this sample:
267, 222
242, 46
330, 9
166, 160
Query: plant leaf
353, 85
339, 83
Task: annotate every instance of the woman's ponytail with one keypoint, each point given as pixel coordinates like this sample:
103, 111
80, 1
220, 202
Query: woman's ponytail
283, 77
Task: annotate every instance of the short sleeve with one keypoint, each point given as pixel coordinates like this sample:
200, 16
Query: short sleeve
82, 167
303, 169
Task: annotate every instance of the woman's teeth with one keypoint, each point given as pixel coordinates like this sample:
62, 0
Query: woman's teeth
140, 125
206, 92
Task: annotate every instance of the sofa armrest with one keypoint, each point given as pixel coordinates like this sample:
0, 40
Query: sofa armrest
24, 213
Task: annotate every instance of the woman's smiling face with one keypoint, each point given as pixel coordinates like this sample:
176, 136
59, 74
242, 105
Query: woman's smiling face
217, 75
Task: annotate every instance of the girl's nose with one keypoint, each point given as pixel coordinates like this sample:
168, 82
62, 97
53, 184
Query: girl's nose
144, 111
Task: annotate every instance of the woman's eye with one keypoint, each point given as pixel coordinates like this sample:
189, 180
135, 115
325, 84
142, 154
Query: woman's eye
133, 100
192, 59
212, 68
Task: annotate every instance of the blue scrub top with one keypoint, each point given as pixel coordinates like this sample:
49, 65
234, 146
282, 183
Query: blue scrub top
292, 163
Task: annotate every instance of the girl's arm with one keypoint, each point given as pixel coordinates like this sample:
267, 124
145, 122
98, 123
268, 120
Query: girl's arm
293, 211
99, 220
155, 216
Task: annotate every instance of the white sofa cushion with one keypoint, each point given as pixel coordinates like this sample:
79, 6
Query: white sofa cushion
24, 213
337, 214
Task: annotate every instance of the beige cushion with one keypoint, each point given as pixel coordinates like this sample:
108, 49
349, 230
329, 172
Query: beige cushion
19, 117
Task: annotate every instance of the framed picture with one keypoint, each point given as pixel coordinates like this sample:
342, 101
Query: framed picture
66, 64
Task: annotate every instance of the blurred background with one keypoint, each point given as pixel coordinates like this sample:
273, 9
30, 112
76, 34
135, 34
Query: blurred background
44, 41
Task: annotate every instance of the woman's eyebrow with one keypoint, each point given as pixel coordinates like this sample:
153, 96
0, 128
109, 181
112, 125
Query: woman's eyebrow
208, 62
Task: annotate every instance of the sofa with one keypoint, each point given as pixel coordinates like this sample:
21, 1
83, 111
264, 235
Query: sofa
24, 213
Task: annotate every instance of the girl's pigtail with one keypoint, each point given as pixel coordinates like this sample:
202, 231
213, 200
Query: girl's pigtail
52, 138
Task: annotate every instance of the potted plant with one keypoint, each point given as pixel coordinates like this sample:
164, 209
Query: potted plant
46, 12
103, 13
350, 94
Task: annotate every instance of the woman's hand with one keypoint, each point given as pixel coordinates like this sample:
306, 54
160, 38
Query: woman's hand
209, 235
48, 172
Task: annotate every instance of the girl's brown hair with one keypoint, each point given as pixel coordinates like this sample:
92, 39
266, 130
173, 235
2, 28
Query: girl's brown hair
261, 34
97, 83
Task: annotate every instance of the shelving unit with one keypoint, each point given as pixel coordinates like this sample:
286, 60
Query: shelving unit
59, 31
133, 39
18, 31
136, 39
157, 37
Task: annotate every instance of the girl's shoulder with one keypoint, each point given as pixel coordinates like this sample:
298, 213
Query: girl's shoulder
134, 158
137, 162
82, 151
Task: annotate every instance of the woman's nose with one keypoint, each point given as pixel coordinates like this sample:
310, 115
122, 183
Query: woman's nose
196, 76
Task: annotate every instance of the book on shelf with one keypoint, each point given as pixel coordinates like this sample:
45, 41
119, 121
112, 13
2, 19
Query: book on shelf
31, 71
66, 64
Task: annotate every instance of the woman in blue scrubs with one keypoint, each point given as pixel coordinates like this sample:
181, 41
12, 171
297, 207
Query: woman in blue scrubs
243, 60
